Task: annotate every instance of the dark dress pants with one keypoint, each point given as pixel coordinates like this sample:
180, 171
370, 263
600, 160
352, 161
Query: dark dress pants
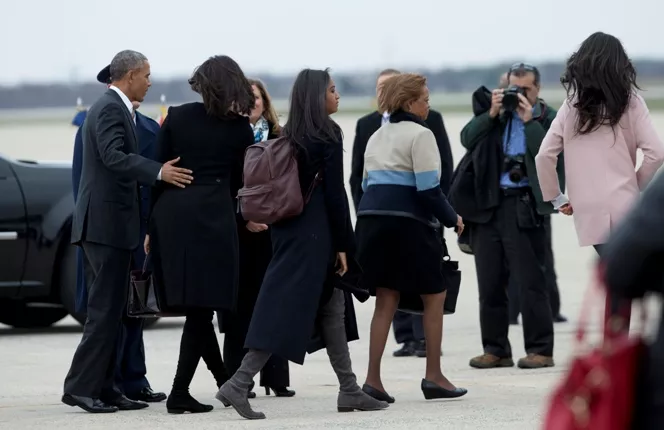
130, 370
549, 274
408, 327
504, 239
92, 372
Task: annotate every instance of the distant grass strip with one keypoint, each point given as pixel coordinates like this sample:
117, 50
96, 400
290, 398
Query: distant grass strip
654, 104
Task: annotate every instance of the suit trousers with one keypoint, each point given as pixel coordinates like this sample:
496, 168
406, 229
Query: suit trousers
92, 372
130, 369
501, 240
549, 274
407, 327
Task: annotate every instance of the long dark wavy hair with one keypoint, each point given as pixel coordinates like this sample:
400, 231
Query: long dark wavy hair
602, 79
307, 115
223, 86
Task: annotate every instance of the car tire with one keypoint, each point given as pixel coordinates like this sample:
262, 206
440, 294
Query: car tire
68, 275
20, 314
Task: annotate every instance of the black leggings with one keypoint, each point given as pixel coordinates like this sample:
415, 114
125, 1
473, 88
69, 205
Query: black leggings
199, 340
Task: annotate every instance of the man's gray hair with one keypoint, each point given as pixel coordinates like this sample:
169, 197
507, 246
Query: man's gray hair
125, 61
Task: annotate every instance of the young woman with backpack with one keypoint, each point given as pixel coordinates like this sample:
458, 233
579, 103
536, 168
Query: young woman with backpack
307, 249
255, 251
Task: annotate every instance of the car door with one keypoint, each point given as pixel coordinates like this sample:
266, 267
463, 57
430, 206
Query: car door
13, 226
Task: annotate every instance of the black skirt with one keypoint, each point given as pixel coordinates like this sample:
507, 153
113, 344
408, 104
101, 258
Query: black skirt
399, 253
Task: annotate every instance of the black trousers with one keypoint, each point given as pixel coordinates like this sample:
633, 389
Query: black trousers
130, 370
92, 372
408, 327
507, 238
274, 374
549, 274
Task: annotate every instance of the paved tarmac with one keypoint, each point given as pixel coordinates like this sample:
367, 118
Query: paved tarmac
33, 365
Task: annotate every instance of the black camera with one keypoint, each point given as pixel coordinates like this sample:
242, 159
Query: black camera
511, 98
515, 167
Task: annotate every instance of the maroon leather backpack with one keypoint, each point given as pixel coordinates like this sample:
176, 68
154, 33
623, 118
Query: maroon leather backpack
271, 190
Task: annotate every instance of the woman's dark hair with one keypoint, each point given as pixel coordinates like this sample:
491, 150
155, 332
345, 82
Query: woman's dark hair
223, 86
307, 114
602, 79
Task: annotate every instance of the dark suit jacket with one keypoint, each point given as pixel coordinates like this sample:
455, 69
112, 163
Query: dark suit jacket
368, 124
107, 206
147, 130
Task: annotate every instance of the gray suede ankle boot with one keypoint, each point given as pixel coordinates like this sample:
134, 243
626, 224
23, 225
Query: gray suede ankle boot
351, 397
234, 391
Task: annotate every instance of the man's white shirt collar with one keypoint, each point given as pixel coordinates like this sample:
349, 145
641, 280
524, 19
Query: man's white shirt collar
385, 119
125, 100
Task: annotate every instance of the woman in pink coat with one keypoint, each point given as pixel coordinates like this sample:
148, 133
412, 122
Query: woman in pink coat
599, 127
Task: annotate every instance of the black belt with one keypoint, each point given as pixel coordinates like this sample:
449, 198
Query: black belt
515, 191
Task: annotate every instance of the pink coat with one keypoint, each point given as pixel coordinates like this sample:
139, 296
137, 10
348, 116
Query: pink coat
602, 183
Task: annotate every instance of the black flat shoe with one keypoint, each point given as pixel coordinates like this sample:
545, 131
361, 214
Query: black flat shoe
181, 402
147, 395
279, 391
251, 395
377, 394
431, 390
88, 404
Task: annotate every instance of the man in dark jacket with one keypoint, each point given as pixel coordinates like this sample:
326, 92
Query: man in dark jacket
549, 269
513, 230
408, 328
130, 372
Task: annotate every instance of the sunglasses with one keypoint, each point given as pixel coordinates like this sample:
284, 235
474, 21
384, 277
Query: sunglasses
522, 66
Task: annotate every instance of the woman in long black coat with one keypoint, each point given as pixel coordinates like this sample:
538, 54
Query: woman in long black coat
193, 232
305, 249
255, 256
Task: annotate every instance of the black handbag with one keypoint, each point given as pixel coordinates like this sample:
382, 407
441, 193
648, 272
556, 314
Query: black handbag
143, 301
412, 303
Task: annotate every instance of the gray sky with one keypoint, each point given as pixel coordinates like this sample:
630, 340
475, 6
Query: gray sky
47, 40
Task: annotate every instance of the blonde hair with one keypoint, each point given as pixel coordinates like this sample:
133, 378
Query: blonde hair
269, 113
399, 90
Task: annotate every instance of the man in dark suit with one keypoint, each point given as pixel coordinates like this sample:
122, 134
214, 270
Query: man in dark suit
408, 329
107, 226
130, 370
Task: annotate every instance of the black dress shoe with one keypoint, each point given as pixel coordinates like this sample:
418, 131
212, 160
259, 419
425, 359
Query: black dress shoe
147, 395
560, 318
125, 404
406, 350
431, 390
251, 395
377, 394
88, 404
280, 391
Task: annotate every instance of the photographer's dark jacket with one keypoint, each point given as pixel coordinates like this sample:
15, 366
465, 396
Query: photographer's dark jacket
483, 165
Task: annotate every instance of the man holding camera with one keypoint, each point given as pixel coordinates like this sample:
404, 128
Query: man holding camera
549, 264
506, 138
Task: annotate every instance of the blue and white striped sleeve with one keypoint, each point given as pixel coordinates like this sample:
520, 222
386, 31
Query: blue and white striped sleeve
426, 166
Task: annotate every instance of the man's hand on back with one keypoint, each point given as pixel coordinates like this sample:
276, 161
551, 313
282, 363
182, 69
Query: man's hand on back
177, 176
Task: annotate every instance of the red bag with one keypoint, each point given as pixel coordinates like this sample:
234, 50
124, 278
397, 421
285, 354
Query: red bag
599, 389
